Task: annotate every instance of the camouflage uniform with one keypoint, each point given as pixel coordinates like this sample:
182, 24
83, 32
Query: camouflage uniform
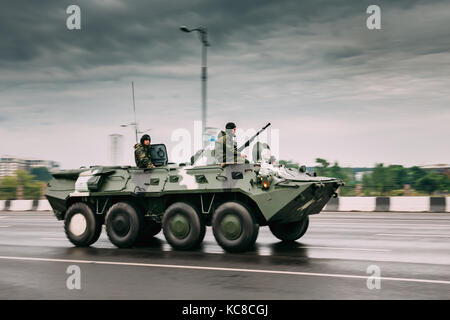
225, 149
142, 156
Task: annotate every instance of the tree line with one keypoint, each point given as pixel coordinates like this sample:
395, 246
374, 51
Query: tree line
382, 180
29, 182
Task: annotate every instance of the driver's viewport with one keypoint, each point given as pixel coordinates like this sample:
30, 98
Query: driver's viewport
158, 154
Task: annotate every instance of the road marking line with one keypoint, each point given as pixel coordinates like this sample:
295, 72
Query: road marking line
332, 275
54, 239
383, 225
414, 235
381, 218
28, 225
355, 249
31, 223
27, 220
4, 226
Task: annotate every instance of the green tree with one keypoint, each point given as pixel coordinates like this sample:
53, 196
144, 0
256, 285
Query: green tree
428, 183
337, 172
41, 174
381, 179
398, 176
444, 183
8, 188
23, 177
31, 188
415, 173
289, 164
367, 183
322, 170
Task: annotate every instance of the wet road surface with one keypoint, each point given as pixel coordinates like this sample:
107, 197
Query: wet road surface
332, 261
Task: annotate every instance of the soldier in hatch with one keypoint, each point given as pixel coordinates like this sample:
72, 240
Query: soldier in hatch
225, 149
142, 153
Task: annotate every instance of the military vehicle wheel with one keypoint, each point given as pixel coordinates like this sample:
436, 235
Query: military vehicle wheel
290, 231
149, 230
81, 225
182, 226
123, 224
234, 227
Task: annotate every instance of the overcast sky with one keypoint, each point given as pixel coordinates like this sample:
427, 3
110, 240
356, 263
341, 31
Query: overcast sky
333, 88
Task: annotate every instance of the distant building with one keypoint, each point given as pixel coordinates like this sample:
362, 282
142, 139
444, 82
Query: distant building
9, 164
438, 168
34, 163
116, 146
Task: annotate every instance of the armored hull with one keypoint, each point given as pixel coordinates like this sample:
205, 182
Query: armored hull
235, 199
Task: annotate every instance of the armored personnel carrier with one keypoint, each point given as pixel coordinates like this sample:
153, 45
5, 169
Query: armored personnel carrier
235, 199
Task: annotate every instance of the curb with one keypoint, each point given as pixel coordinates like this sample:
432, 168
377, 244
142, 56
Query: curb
382, 204
360, 204
438, 204
25, 205
389, 204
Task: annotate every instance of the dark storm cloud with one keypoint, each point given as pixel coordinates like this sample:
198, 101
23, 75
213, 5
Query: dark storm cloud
284, 61
343, 53
120, 32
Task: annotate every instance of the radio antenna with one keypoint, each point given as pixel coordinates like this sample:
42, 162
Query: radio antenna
134, 112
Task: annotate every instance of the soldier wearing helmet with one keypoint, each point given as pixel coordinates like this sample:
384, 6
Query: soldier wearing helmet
142, 153
225, 148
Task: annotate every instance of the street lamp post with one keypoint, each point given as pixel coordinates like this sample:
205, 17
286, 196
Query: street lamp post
136, 129
203, 33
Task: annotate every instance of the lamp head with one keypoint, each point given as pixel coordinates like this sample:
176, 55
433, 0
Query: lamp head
185, 29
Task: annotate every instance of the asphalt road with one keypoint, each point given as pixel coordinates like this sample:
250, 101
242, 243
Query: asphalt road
332, 261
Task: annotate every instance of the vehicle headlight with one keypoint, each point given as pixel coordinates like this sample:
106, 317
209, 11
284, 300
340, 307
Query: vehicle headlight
266, 182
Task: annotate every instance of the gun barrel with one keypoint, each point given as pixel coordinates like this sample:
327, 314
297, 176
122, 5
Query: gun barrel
247, 143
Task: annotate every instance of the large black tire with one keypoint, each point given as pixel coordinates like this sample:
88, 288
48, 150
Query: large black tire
290, 231
81, 225
234, 227
149, 230
123, 224
182, 226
